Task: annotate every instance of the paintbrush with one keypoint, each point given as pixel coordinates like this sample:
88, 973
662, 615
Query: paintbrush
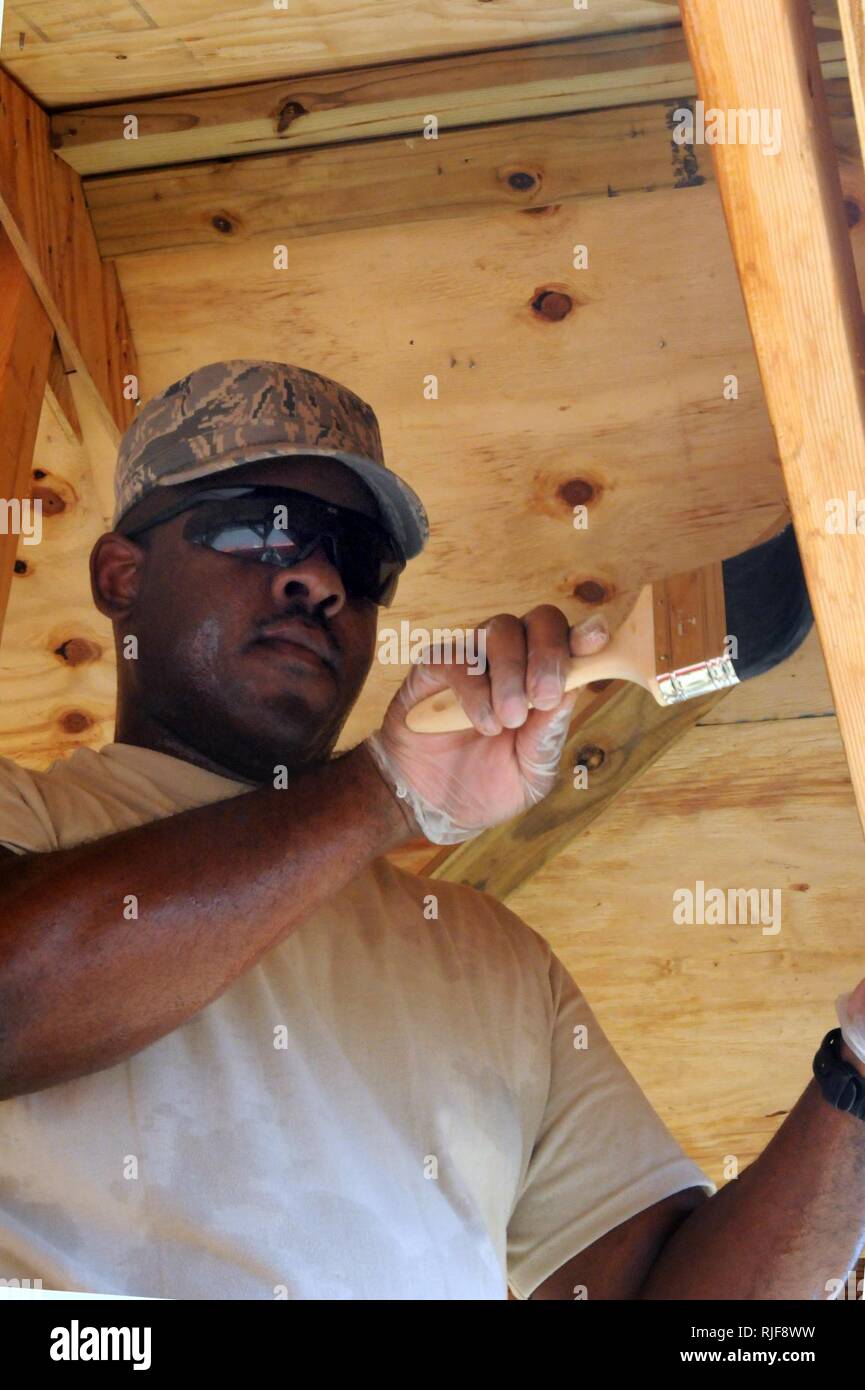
687, 635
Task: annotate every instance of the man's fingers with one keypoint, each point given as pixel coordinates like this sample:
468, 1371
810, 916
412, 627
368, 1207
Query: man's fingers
590, 636
506, 668
547, 655
471, 687
526, 662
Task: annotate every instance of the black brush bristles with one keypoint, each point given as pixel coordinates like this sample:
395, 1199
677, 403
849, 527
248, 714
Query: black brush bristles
768, 609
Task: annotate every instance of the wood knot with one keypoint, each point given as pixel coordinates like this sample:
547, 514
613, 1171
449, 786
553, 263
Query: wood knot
76, 651
591, 591
75, 721
577, 492
287, 114
552, 305
52, 502
591, 757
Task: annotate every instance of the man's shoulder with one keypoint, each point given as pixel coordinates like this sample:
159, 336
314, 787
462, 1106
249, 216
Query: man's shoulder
461, 907
27, 797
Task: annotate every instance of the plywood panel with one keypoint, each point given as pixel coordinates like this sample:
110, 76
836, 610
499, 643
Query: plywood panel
57, 658
620, 401
69, 51
718, 1023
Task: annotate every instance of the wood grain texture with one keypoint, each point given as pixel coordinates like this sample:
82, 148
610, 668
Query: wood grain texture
718, 1023
618, 404
25, 351
787, 226
367, 103
515, 166
852, 20
60, 392
615, 740
69, 52
43, 212
57, 668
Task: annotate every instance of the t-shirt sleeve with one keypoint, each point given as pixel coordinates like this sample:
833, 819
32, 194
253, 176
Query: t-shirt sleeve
602, 1153
25, 825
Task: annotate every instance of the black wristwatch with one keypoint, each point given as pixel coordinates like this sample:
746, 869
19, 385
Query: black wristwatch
841, 1084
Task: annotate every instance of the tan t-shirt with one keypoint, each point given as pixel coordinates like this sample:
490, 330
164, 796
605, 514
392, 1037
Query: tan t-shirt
389, 1105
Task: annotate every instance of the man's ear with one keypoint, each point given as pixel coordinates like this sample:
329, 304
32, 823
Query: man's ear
116, 567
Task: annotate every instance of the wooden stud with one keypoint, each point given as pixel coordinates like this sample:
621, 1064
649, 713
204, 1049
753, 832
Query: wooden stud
25, 350
786, 221
59, 392
852, 20
43, 212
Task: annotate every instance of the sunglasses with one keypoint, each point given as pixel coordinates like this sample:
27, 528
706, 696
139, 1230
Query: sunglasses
279, 526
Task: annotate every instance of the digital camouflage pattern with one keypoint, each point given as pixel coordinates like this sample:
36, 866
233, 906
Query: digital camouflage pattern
235, 412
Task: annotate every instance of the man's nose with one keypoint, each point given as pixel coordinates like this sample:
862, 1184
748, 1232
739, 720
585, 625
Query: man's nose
313, 580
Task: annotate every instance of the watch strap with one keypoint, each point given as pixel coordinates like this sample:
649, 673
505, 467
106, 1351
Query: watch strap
842, 1085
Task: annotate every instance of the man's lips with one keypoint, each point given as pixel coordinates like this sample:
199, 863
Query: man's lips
292, 635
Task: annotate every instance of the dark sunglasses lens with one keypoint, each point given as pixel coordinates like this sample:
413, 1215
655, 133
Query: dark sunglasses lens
250, 542
364, 557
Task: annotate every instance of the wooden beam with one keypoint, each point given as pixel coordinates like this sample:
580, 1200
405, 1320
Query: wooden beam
537, 80
68, 53
852, 20
25, 350
787, 226
43, 212
59, 393
515, 165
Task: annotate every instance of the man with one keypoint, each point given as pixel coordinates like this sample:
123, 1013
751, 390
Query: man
241, 1055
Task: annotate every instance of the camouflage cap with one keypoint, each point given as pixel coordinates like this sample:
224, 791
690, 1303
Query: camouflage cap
229, 413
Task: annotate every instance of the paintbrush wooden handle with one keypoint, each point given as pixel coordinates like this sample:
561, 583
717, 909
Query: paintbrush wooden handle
629, 656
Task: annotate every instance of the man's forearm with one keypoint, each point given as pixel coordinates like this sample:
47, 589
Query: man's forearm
792, 1223
81, 987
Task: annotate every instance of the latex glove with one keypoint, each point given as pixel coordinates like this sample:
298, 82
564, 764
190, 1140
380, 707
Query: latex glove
458, 784
851, 1016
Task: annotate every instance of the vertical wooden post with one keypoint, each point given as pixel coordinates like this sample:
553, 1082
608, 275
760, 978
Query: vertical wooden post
26, 336
786, 220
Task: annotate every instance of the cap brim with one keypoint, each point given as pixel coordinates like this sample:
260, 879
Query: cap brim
402, 510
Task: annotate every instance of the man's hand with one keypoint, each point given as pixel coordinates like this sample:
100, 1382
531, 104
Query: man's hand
507, 762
